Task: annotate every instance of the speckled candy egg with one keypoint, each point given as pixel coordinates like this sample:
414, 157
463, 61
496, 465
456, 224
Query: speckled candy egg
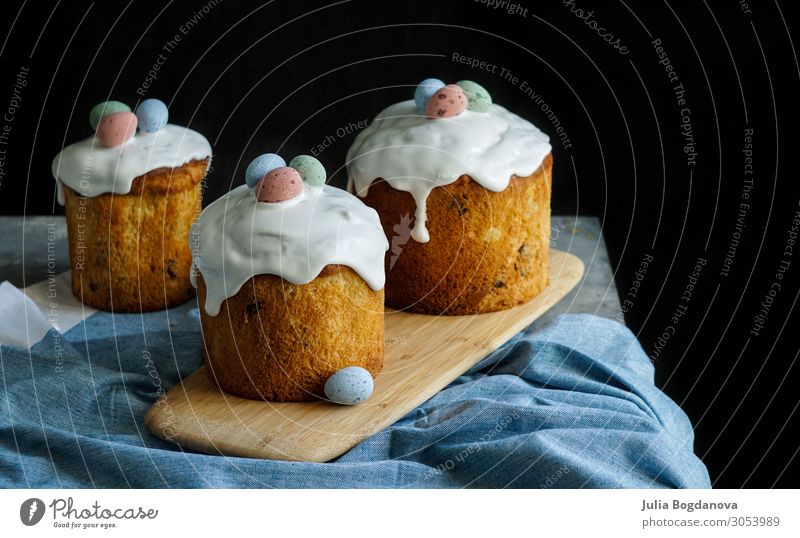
105, 108
279, 185
261, 166
310, 169
152, 115
349, 386
447, 102
117, 128
478, 99
425, 91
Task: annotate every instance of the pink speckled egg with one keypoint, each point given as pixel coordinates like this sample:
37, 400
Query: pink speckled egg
116, 128
278, 185
448, 102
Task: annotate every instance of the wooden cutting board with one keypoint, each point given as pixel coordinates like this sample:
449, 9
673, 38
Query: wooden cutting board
423, 355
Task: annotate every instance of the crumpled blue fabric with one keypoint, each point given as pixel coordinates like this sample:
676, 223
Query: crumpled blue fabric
571, 406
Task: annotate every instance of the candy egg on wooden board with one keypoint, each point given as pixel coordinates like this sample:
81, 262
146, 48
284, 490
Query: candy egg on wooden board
447, 102
279, 185
478, 99
104, 109
425, 91
261, 166
117, 128
152, 115
310, 169
349, 386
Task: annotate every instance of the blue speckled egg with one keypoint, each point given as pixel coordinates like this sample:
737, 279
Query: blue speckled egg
349, 386
152, 115
261, 166
425, 91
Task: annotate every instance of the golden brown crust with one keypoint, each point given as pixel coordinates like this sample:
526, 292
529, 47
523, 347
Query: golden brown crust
279, 341
130, 253
164, 180
488, 251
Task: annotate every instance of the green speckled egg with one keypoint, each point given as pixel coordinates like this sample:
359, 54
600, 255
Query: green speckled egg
104, 109
311, 170
478, 99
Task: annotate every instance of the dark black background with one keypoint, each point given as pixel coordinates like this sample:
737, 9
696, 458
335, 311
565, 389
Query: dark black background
281, 76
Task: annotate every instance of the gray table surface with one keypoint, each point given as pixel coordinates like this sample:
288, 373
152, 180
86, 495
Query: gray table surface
29, 244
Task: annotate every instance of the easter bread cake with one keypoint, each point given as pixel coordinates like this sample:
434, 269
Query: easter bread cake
462, 187
130, 199
290, 277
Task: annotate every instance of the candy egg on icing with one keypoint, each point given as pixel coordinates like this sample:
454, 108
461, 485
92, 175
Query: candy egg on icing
478, 99
310, 169
261, 166
447, 102
117, 128
104, 109
152, 115
349, 386
279, 185
425, 91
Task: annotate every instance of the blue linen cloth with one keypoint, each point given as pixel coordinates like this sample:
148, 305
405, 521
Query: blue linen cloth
571, 406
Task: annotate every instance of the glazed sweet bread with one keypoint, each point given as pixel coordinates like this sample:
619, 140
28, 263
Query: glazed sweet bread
128, 252
462, 187
279, 341
290, 280
487, 251
130, 199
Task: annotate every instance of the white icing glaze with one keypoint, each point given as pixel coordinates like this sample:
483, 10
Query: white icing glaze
237, 237
416, 154
91, 169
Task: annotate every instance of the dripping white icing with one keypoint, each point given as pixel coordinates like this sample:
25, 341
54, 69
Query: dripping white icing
91, 169
237, 237
416, 154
